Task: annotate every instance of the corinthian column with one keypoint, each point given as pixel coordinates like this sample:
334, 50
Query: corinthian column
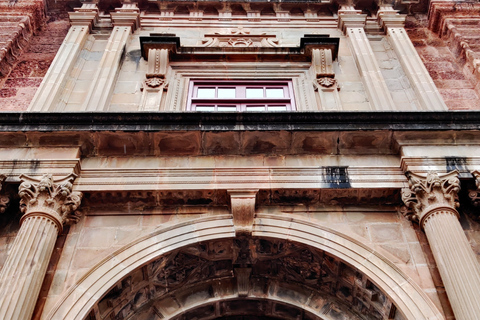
433, 200
46, 204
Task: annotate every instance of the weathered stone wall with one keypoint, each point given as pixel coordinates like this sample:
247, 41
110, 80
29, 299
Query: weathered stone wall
446, 62
18, 88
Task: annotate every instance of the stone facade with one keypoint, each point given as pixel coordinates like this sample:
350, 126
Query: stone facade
354, 195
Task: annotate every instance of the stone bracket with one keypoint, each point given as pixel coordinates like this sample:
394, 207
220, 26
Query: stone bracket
243, 281
243, 210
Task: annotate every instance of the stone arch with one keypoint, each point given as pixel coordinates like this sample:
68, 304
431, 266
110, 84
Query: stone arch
412, 302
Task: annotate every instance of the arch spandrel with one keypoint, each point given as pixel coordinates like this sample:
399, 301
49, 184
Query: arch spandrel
400, 289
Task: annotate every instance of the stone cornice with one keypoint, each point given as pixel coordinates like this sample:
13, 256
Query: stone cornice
194, 121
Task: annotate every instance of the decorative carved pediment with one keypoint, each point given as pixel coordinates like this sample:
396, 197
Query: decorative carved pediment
239, 37
51, 198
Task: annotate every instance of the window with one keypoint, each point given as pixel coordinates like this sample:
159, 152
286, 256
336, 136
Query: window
232, 96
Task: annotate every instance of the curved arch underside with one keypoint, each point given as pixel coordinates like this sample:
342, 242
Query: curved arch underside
256, 277
110, 278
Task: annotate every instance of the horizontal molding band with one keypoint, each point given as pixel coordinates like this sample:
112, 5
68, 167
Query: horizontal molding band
194, 121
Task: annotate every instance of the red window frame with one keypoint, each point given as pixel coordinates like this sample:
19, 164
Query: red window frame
241, 102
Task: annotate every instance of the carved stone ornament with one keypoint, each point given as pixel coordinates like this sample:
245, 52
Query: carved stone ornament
326, 82
4, 199
427, 195
243, 210
154, 82
239, 37
53, 199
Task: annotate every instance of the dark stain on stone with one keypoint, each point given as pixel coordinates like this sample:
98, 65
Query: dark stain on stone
336, 177
456, 163
134, 55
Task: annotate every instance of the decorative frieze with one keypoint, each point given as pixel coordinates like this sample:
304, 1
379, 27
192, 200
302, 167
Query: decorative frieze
243, 210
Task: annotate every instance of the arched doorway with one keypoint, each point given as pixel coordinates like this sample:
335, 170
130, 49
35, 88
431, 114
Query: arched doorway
241, 277
288, 269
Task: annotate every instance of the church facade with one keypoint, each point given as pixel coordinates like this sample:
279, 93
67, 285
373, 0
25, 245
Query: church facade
233, 160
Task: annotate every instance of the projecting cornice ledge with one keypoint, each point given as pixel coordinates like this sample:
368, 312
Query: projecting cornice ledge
195, 121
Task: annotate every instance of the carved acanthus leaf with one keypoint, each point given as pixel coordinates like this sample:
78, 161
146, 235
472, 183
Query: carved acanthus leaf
4, 199
53, 198
433, 191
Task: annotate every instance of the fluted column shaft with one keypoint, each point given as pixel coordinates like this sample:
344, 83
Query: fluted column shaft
47, 205
456, 262
23, 273
434, 200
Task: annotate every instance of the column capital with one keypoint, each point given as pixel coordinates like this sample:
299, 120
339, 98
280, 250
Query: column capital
50, 198
86, 15
474, 195
428, 195
4, 199
348, 17
127, 16
389, 18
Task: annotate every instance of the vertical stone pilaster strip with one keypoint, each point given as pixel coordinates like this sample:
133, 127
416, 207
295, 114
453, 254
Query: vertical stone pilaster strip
47, 205
425, 89
352, 23
325, 83
155, 84
48, 94
125, 21
433, 200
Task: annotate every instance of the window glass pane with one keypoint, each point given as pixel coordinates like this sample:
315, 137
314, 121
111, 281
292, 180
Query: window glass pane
275, 93
206, 93
255, 108
226, 93
227, 108
277, 108
205, 108
254, 92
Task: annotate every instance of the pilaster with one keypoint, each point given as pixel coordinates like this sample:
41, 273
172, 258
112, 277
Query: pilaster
425, 89
47, 204
352, 23
125, 21
155, 84
325, 83
48, 94
433, 200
